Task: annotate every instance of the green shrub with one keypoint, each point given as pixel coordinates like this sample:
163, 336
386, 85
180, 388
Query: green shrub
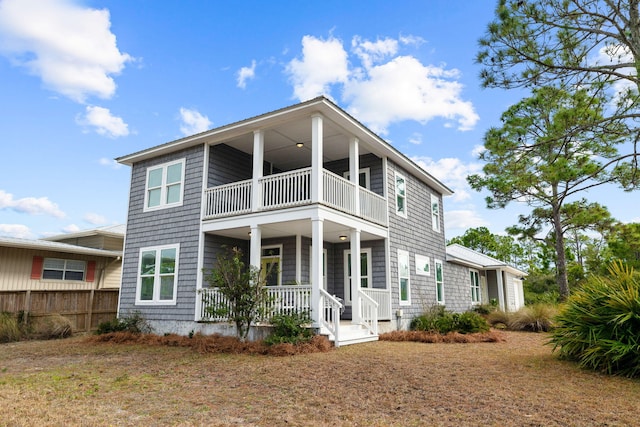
9, 328
290, 328
598, 326
54, 326
498, 319
534, 318
133, 323
437, 319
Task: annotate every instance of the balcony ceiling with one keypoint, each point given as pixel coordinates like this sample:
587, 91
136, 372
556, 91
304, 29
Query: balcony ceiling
280, 144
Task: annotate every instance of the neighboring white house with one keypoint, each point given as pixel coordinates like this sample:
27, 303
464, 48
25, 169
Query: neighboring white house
489, 278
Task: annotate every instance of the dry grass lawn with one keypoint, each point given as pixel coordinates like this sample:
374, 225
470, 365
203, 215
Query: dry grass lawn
512, 383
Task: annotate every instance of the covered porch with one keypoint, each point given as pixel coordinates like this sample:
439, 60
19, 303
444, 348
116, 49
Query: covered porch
310, 248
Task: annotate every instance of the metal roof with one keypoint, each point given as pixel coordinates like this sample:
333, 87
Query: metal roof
462, 255
11, 242
117, 230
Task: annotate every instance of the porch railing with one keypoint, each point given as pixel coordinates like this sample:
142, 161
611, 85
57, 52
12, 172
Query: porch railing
383, 298
293, 188
331, 315
368, 312
282, 300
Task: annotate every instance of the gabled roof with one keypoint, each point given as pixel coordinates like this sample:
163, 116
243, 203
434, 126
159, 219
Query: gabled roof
117, 231
459, 254
44, 245
321, 105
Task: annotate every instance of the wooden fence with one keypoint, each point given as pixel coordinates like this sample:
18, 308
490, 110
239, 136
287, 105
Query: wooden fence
85, 309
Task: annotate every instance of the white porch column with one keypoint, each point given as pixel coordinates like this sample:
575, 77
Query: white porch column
500, 283
317, 231
354, 169
298, 259
355, 277
316, 158
258, 165
255, 247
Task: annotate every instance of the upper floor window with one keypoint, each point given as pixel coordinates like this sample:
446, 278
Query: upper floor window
401, 195
435, 213
164, 186
63, 269
158, 273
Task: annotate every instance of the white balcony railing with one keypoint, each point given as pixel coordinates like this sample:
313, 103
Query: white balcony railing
290, 189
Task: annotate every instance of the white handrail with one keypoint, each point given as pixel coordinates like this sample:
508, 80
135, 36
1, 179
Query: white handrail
286, 189
368, 312
383, 298
330, 317
228, 199
338, 192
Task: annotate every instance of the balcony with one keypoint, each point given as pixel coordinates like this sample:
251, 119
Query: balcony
289, 189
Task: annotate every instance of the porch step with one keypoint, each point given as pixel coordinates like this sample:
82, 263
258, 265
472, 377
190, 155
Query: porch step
351, 334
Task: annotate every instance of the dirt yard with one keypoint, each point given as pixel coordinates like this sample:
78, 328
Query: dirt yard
513, 383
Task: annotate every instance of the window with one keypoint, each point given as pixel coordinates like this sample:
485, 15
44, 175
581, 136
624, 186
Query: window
439, 282
270, 264
475, 286
401, 195
158, 275
435, 213
63, 269
365, 272
164, 185
364, 177
423, 267
403, 277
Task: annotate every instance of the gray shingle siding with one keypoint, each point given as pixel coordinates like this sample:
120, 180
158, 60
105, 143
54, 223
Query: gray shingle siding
415, 235
180, 224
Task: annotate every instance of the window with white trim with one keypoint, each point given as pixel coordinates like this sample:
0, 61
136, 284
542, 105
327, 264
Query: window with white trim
364, 177
401, 195
474, 276
435, 213
158, 275
404, 277
270, 262
439, 281
365, 272
164, 185
63, 269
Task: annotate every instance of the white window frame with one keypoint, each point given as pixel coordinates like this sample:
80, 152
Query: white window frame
404, 255
403, 212
423, 265
347, 277
475, 286
155, 300
439, 281
164, 186
435, 213
65, 268
367, 177
266, 258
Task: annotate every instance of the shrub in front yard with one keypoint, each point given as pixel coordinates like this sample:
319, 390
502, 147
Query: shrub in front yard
133, 323
290, 328
9, 328
599, 325
533, 318
439, 320
52, 327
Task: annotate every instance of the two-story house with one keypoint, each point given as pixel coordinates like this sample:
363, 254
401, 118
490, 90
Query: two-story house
299, 190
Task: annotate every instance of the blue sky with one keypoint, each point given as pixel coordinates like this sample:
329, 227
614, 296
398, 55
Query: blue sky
83, 82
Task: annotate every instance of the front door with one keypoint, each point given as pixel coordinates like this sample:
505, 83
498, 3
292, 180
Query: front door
365, 272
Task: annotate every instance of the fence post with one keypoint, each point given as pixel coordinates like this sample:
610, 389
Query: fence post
27, 307
90, 312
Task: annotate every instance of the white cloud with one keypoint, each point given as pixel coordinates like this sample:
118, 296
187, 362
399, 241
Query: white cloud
16, 230
70, 47
463, 220
95, 219
109, 163
405, 89
452, 172
415, 138
386, 87
246, 73
104, 122
30, 205
323, 63
477, 150
193, 122
71, 228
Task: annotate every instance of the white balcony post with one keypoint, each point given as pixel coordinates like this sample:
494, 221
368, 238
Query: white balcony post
316, 158
317, 232
356, 277
255, 248
258, 165
354, 170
